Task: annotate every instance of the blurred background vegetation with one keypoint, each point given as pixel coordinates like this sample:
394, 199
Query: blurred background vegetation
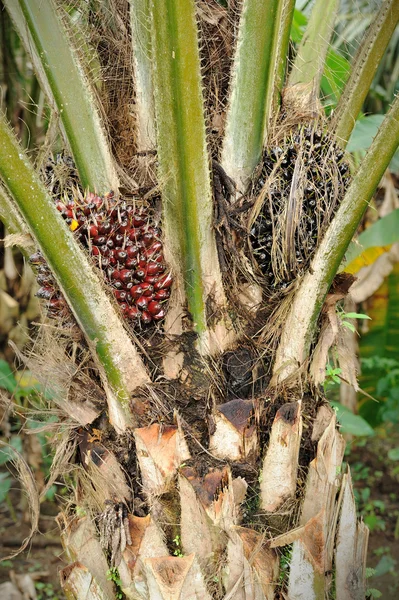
369, 416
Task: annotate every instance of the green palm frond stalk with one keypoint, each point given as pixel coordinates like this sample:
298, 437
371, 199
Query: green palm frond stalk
363, 69
251, 88
183, 158
119, 363
62, 72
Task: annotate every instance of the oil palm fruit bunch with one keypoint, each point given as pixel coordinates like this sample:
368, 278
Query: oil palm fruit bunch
299, 186
127, 248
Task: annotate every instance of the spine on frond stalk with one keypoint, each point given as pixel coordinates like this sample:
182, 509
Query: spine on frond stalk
302, 92
251, 88
63, 72
299, 327
183, 158
119, 363
363, 70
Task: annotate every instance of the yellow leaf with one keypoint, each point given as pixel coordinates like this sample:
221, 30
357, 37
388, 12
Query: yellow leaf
366, 258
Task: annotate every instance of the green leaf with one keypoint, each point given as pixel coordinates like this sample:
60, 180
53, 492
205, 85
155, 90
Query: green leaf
6, 452
5, 484
7, 379
381, 235
373, 593
364, 132
350, 423
349, 326
299, 23
385, 565
336, 71
393, 454
352, 315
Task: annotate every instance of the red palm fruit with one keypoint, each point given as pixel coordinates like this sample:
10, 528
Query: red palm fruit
147, 288
95, 251
157, 258
124, 226
153, 268
162, 294
110, 243
114, 274
147, 238
99, 240
132, 251
151, 279
142, 302
118, 239
126, 275
131, 263
128, 286
118, 285
56, 303
105, 228
139, 220
134, 234
153, 249
133, 313
61, 207
136, 291
164, 282
142, 261
104, 250
124, 307
146, 318
69, 214
120, 295
159, 315
154, 307
139, 274
93, 231
120, 255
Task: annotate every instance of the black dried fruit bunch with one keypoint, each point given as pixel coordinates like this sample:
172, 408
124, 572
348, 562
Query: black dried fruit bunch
125, 246
299, 188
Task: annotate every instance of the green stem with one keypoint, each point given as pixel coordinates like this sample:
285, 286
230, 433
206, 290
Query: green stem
251, 88
299, 327
363, 69
64, 73
118, 360
182, 153
305, 77
140, 24
285, 17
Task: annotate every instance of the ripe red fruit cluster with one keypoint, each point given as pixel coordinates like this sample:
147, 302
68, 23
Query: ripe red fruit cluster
127, 248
